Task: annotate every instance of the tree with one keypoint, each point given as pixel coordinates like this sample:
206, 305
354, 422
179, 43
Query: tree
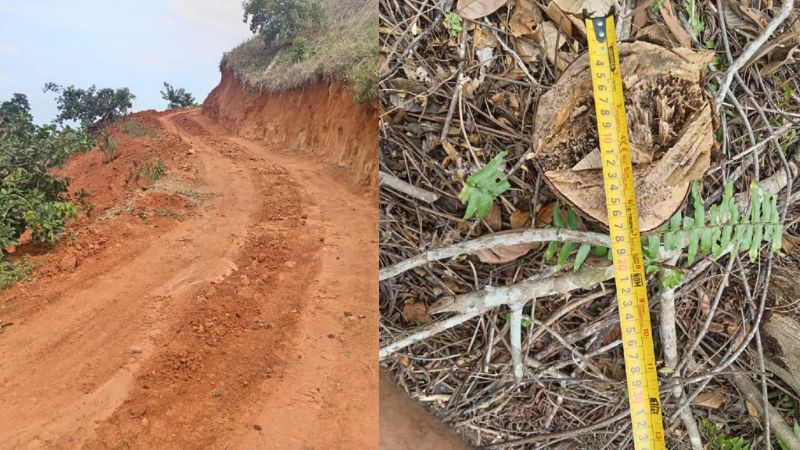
31, 198
91, 107
278, 21
177, 98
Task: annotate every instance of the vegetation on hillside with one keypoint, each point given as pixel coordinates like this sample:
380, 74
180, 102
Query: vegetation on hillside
343, 45
177, 97
91, 108
32, 198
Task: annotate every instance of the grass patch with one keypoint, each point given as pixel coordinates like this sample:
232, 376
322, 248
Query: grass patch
138, 129
12, 272
343, 47
156, 171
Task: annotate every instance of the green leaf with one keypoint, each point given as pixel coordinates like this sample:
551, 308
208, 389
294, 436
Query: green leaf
600, 251
483, 187
755, 245
675, 222
653, 245
699, 209
580, 257
694, 241
558, 221
747, 236
776, 237
725, 237
672, 279
755, 203
552, 248
563, 255
669, 241
572, 219
650, 269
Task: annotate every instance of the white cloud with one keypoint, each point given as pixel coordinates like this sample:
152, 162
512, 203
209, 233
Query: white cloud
6, 48
224, 15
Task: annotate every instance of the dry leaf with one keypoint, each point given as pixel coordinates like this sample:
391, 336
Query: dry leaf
782, 58
504, 254
416, 312
520, 220
751, 409
494, 219
595, 8
709, 399
528, 51
475, 9
551, 40
524, 20
483, 38
544, 216
654, 33
674, 25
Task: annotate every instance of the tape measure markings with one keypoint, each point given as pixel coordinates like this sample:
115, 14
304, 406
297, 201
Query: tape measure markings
623, 224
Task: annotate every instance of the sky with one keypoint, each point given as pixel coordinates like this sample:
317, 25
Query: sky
137, 44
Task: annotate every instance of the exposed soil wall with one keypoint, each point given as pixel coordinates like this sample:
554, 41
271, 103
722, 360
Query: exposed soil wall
321, 119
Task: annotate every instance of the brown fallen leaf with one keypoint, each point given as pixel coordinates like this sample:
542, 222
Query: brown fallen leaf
556, 15
416, 311
503, 254
782, 58
494, 219
520, 219
709, 399
551, 40
475, 9
674, 25
524, 20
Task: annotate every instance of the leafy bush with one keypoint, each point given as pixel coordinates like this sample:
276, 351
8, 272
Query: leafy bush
300, 50
92, 107
363, 77
31, 198
177, 98
278, 21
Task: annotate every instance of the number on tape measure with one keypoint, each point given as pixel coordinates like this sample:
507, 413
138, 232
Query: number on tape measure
623, 224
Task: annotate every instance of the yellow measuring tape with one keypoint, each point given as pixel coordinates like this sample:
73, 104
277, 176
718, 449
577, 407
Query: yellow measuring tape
623, 224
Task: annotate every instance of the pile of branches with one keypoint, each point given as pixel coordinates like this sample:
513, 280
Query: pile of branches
516, 351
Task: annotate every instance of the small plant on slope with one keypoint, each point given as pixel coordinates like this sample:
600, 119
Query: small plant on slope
177, 98
483, 187
108, 146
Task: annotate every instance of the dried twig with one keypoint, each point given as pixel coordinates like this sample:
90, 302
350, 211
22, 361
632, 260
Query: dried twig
387, 179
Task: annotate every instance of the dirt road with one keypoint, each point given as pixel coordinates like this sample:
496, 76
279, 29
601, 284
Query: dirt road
248, 325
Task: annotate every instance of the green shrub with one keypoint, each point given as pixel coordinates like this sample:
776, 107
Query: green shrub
278, 21
31, 198
177, 98
300, 49
363, 77
91, 108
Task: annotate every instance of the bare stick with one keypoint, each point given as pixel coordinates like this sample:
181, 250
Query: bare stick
515, 324
397, 184
476, 303
494, 241
751, 50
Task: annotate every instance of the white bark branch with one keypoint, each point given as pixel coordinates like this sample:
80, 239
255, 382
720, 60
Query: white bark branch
515, 296
397, 184
527, 235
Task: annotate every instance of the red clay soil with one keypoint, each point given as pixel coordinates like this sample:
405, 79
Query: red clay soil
320, 119
230, 304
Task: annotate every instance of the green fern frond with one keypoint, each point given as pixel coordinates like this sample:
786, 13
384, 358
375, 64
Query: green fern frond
483, 187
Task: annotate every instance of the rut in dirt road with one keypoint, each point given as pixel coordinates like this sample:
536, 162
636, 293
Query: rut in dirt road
247, 326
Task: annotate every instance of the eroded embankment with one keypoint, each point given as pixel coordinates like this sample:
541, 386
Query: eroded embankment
321, 119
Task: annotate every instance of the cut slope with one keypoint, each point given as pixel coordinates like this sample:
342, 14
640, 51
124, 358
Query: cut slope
321, 119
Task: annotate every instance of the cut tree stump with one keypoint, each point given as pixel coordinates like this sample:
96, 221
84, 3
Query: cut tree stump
669, 124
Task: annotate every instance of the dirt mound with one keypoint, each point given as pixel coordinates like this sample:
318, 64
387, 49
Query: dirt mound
317, 119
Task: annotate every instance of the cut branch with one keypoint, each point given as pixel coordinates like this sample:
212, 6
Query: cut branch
496, 240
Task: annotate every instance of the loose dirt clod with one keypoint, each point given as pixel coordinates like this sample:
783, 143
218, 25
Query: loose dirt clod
670, 130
